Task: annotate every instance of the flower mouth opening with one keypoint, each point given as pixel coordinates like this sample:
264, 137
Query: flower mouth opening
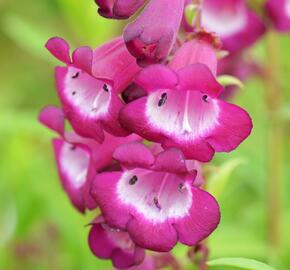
157, 196
186, 115
87, 94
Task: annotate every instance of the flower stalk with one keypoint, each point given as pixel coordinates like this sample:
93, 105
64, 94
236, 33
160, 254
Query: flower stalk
274, 100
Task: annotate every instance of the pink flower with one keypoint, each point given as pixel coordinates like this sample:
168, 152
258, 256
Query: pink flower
110, 243
152, 35
182, 110
118, 9
80, 159
279, 13
89, 85
154, 199
233, 21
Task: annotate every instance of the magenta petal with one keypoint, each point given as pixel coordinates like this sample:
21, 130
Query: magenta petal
113, 62
118, 9
59, 48
203, 218
198, 149
99, 242
237, 25
133, 117
279, 12
107, 243
76, 96
104, 192
235, 125
151, 42
134, 154
126, 8
251, 33
72, 162
53, 118
83, 59
157, 77
160, 237
199, 77
171, 160
192, 52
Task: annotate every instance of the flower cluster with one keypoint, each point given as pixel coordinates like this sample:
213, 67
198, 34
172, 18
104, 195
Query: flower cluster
145, 113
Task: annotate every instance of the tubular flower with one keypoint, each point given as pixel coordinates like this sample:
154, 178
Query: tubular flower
109, 243
279, 13
237, 25
154, 199
182, 110
80, 159
151, 42
88, 86
118, 9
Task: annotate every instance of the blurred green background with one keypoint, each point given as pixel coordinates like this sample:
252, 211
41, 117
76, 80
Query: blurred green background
38, 227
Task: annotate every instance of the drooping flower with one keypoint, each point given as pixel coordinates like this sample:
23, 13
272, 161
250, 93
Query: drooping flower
237, 25
152, 35
118, 9
182, 110
89, 85
109, 243
80, 159
279, 13
154, 199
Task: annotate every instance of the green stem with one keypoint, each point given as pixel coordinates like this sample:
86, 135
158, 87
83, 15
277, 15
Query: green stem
274, 99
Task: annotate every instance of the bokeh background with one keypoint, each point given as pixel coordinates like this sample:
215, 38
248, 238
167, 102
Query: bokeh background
39, 229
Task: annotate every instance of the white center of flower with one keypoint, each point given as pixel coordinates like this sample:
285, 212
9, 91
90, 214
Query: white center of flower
87, 94
185, 115
158, 196
74, 163
224, 22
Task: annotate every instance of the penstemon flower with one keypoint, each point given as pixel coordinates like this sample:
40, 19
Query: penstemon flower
111, 243
154, 199
183, 110
89, 85
237, 25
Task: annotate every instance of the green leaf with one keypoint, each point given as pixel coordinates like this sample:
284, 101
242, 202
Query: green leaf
218, 180
243, 263
228, 80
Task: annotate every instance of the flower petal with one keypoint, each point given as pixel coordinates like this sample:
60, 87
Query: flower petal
151, 43
234, 126
53, 118
198, 77
156, 77
134, 154
113, 62
72, 162
171, 160
59, 48
108, 243
203, 218
192, 52
83, 59
89, 104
